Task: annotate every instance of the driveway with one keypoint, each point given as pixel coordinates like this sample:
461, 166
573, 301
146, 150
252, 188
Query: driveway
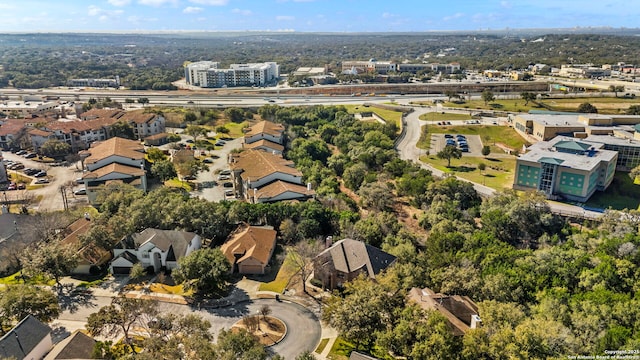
216, 193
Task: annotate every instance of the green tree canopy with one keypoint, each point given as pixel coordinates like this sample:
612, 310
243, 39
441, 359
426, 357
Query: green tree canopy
449, 152
206, 271
18, 301
587, 108
55, 148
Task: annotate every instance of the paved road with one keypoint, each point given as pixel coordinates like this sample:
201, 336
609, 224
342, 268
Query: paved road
303, 326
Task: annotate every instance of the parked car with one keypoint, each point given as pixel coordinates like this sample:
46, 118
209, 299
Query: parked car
225, 172
220, 143
82, 191
12, 187
30, 171
223, 177
21, 186
42, 181
30, 156
228, 184
189, 177
229, 193
40, 174
207, 160
16, 167
448, 136
464, 149
21, 152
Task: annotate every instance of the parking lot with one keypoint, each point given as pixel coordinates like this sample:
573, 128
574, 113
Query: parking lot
438, 142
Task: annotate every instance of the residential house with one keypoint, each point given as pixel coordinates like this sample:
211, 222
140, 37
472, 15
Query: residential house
348, 258
16, 233
249, 248
265, 130
90, 256
12, 133
116, 159
29, 340
160, 249
78, 346
254, 170
460, 311
265, 145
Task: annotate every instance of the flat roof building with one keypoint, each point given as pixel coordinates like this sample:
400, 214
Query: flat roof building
544, 127
565, 168
207, 74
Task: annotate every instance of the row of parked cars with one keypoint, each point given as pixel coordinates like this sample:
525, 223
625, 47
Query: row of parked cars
459, 140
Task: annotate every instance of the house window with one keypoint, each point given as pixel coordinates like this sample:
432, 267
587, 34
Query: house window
145, 255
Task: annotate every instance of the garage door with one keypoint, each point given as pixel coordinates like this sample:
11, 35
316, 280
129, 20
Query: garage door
121, 270
250, 269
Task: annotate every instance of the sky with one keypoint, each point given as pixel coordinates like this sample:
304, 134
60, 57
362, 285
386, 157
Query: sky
311, 15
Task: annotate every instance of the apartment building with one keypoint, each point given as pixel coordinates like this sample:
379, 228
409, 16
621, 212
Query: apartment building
207, 74
384, 67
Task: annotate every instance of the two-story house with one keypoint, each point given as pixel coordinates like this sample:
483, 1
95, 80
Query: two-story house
265, 135
159, 249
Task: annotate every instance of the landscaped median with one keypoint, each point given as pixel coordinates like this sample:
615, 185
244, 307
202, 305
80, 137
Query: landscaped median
498, 173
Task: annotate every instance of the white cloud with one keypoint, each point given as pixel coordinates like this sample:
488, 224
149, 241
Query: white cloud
210, 2
453, 17
192, 10
505, 4
285, 18
387, 15
297, 1
157, 2
139, 20
102, 14
119, 2
242, 12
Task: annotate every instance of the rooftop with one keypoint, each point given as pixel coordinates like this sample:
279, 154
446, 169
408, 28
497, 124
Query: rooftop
164, 240
547, 151
280, 187
266, 127
131, 149
611, 140
23, 338
114, 168
459, 310
265, 143
77, 346
256, 164
250, 242
350, 255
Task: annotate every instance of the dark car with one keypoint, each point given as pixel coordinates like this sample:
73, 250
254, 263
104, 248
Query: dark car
189, 177
228, 184
448, 136
21, 186
40, 174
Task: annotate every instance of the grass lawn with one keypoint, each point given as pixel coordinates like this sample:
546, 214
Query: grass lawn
168, 289
439, 116
621, 194
235, 129
15, 279
607, 105
497, 175
321, 346
341, 349
175, 183
516, 105
388, 115
281, 281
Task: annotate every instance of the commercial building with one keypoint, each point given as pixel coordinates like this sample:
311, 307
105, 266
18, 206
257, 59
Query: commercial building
546, 126
384, 67
628, 149
26, 108
565, 168
207, 74
99, 83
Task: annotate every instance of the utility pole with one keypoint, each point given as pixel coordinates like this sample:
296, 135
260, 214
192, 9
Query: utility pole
65, 200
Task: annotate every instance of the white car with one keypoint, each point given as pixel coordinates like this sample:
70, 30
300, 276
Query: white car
82, 191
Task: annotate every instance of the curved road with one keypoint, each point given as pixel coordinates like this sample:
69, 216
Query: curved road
408, 151
303, 326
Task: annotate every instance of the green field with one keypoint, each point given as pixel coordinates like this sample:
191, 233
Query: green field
488, 133
497, 175
621, 194
439, 116
341, 349
388, 115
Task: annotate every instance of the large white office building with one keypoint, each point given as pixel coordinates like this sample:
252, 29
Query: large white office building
208, 74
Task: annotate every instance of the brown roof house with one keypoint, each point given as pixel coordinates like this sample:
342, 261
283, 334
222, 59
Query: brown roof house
249, 248
348, 258
265, 130
460, 311
116, 159
260, 176
153, 248
90, 256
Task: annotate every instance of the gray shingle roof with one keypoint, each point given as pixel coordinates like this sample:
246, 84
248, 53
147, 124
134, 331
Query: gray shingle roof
23, 338
349, 255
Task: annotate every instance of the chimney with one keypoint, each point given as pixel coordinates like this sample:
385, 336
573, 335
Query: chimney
328, 242
476, 322
86, 216
308, 186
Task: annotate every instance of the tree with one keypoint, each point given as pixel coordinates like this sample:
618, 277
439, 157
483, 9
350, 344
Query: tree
486, 150
376, 195
448, 153
307, 355
528, 96
353, 176
633, 110
587, 108
122, 129
178, 337
164, 169
482, 167
265, 310
205, 271
55, 148
301, 256
122, 316
234, 114
487, 96
634, 173
50, 259
616, 89
239, 345
18, 301
137, 271
143, 101
191, 167
155, 154
450, 94
195, 131
190, 117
